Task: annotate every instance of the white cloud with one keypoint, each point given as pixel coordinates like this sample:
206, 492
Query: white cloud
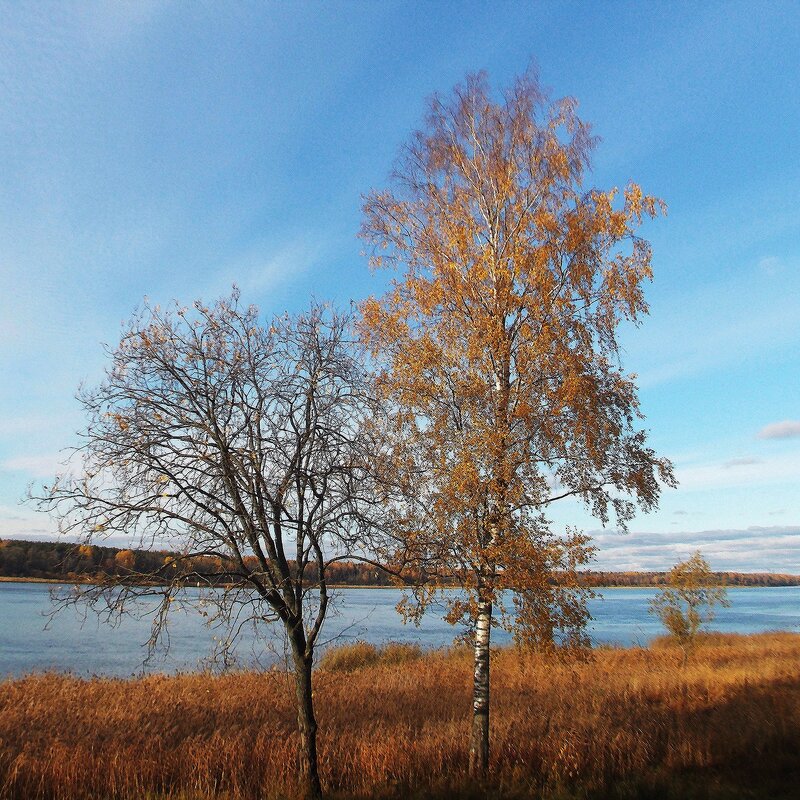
786, 429
754, 549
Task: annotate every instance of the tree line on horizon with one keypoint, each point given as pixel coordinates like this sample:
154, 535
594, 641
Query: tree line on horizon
63, 561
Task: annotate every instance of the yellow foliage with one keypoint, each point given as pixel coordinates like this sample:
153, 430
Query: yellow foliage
497, 341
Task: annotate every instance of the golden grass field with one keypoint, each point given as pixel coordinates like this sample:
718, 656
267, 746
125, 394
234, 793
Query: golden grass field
630, 723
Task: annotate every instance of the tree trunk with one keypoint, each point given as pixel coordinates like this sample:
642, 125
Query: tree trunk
479, 738
310, 787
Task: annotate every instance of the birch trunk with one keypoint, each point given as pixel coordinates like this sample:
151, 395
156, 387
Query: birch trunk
479, 738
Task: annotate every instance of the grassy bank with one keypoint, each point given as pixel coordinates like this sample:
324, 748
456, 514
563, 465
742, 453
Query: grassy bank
630, 723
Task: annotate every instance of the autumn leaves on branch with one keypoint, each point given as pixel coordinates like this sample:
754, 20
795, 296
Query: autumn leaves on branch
498, 358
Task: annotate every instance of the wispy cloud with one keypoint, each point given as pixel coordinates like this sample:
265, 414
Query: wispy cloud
11, 514
769, 264
21, 522
787, 429
46, 465
736, 472
741, 462
723, 323
262, 269
15, 425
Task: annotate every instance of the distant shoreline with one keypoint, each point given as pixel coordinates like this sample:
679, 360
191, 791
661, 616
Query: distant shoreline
89, 564
68, 582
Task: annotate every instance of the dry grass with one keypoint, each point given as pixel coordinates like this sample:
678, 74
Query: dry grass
356, 656
627, 724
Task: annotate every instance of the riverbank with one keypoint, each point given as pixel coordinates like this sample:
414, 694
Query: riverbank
189, 584
392, 587
628, 723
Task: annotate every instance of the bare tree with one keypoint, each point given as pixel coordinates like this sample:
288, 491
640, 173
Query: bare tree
242, 447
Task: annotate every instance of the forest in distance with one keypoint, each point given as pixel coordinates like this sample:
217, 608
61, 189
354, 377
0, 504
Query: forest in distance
65, 561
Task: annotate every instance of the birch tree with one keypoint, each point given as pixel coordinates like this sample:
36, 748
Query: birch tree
687, 602
235, 443
499, 357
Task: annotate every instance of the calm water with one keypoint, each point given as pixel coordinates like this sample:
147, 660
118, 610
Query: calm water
94, 648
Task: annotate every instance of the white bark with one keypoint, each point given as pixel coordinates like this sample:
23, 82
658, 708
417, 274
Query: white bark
479, 739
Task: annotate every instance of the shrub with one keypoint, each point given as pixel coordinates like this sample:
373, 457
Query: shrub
355, 656
688, 600
349, 657
400, 653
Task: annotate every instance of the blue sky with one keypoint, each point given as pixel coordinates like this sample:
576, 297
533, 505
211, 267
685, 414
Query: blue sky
171, 149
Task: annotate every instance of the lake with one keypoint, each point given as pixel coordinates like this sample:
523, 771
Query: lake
85, 648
